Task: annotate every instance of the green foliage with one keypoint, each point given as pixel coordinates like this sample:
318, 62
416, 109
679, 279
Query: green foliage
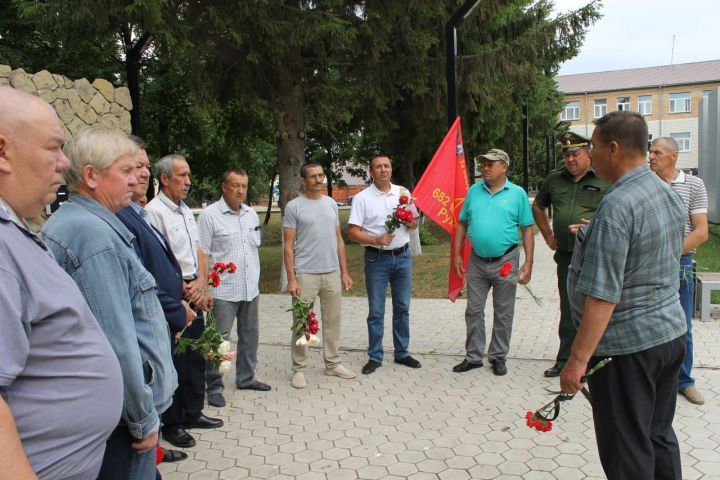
264, 85
426, 236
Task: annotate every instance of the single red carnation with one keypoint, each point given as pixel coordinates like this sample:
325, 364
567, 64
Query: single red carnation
219, 267
505, 269
231, 267
213, 279
313, 328
404, 199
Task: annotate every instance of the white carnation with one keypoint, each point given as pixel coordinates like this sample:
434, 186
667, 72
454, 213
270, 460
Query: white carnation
301, 342
225, 366
224, 348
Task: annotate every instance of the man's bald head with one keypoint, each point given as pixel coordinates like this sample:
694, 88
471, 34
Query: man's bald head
19, 109
31, 157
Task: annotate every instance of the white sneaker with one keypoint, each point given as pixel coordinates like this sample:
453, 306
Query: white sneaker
340, 371
298, 380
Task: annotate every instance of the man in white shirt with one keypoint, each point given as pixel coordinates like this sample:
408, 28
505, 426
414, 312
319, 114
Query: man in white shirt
172, 217
314, 254
230, 232
387, 260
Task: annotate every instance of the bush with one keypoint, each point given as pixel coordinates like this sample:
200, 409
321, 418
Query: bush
426, 237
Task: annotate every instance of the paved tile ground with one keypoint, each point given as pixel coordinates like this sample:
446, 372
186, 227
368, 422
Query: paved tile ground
430, 423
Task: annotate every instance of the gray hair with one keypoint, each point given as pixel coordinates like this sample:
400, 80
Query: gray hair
164, 165
670, 142
99, 147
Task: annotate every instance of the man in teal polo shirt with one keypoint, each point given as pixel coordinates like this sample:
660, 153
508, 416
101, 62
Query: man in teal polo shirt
493, 211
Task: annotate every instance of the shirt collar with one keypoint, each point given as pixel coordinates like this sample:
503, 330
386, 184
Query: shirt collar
225, 208
393, 190
680, 178
504, 187
92, 206
170, 204
643, 169
9, 214
137, 208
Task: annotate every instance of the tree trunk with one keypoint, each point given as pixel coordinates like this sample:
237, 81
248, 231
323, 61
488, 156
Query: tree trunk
291, 137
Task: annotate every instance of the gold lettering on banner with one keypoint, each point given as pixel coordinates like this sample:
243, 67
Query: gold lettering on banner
448, 206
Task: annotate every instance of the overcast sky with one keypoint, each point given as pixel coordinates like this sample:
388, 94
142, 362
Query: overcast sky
639, 33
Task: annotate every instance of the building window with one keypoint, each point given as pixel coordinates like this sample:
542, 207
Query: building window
645, 105
600, 107
571, 111
679, 102
623, 103
683, 141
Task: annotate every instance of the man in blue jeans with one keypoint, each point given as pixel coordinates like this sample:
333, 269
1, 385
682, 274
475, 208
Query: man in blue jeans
663, 158
387, 260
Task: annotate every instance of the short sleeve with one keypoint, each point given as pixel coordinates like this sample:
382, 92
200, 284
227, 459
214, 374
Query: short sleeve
290, 218
465, 210
357, 211
15, 322
699, 200
525, 218
543, 197
205, 232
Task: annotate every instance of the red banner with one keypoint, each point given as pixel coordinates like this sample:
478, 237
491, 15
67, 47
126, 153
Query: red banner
441, 191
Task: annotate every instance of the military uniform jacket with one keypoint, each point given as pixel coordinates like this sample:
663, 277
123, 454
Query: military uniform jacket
570, 201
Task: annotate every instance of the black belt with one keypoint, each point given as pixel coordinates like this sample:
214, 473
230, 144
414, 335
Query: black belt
396, 251
495, 259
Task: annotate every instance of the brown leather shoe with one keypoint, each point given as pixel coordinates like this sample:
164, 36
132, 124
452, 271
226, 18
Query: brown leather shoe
693, 395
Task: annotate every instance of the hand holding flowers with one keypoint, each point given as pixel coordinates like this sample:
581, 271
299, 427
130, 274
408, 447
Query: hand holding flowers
305, 322
211, 344
403, 214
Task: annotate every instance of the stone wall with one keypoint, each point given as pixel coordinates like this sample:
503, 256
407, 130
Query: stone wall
78, 103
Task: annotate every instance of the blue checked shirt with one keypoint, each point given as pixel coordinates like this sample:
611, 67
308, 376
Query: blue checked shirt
629, 255
228, 236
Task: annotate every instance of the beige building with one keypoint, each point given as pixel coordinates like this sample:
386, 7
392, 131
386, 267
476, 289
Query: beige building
668, 97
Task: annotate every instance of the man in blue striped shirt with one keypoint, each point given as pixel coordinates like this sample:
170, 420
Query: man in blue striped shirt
663, 158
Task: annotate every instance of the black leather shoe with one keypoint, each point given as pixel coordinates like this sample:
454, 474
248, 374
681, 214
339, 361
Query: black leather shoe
170, 456
259, 386
178, 437
554, 371
370, 367
466, 365
201, 421
408, 362
499, 368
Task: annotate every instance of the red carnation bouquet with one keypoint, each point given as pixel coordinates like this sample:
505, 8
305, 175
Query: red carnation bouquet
542, 418
405, 212
211, 344
305, 322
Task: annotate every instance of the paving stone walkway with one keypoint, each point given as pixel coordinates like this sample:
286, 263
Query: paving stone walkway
430, 423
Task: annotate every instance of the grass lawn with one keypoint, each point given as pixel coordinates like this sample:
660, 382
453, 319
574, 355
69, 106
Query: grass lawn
708, 256
430, 270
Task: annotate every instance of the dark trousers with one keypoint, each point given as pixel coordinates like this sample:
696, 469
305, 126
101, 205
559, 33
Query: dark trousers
189, 398
121, 462
633, 408
566, 329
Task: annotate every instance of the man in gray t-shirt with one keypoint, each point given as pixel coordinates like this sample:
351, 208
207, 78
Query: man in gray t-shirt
314, 256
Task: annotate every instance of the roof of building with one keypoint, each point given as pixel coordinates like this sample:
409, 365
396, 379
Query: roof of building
666, 75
